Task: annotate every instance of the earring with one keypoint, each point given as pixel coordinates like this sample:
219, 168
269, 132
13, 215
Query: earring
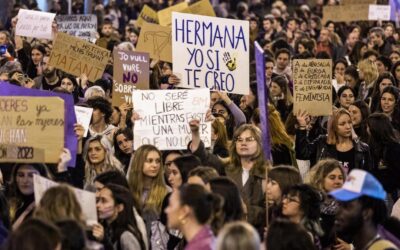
182, 220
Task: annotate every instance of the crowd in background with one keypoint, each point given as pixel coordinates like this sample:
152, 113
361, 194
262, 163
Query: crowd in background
333, 182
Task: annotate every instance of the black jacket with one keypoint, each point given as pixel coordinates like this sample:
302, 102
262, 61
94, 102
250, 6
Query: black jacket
319, 149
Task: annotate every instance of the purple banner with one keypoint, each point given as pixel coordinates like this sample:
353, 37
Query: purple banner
70, 140
262, 100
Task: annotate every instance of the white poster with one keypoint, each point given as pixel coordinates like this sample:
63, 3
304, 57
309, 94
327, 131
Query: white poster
86, 199
36, 24
211, 52
379, 12
165, 115
83, 117
82, 26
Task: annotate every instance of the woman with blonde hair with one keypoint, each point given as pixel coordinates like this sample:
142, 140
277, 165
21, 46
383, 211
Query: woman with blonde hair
146, 182
238, 235
368, 72
99, 158
60, 203
282, 146
338, 144
247, 169
219, 139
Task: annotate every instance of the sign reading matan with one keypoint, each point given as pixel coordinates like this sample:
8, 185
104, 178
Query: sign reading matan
313, 86
165, 116
76, 56
31, 129
211, 52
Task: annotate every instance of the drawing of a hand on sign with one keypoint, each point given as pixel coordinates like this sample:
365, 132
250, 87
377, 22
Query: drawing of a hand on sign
230, 61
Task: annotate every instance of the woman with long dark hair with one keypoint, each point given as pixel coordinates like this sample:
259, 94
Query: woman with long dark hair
359, 112
389, 105
123, 146
385, 150
120, 230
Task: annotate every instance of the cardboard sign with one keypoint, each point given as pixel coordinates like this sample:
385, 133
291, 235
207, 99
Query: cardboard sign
313, 86
379, 12
87, 200
164, 16
156, 40
147, 15
349, 2
345, 13
210, 52
203, 8
165, 116
82, 26
131, 71
83, 117
76, 56
31, 129
36, 24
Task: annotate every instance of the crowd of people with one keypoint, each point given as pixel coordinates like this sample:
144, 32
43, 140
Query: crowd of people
332, 182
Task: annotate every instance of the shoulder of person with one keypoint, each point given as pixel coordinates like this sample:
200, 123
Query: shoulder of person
382, 244
129, 241
361, 146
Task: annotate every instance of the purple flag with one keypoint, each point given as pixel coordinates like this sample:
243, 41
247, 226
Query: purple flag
262, 100
70, 140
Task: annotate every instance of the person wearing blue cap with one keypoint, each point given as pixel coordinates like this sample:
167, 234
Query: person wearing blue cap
361, 209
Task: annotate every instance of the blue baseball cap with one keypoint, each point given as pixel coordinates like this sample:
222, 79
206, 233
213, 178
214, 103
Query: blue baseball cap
359, 183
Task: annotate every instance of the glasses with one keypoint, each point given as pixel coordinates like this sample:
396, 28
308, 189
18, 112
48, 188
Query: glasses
248, 139
290, 199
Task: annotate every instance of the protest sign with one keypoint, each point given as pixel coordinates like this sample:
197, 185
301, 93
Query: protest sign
70, 139
348, 2
155, 40
76, 56
36, 24
379, 12
147, 15
165, 116
131, 71
345, 13
202, 7
87, 200
31, 129
164, 16
262, 93
313, 86
210, 52
82, 26
83, 117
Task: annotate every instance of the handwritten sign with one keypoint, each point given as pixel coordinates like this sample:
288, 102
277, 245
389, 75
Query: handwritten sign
131, 71
164, 16
87, 200
313, 86
379, 12
211, 52
202, 7
82, 26
345, 13
36, 24
31, 129
76, 56
348, 2
147, 15
83, 117
165, 115
156, 40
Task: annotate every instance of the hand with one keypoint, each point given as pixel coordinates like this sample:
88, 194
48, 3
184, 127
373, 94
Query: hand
341, 245
123, 108
153, 63
84, 80
18, 43
339, 78
209, 116
135, 116
224, 96
303, 118
79, 131
173, 79
65, 157
14, 22
98, 232
194, 126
